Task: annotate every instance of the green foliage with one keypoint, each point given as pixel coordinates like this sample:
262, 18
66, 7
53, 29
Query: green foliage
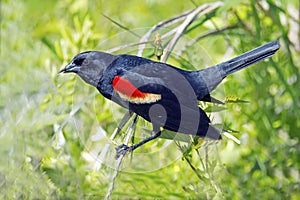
53, 127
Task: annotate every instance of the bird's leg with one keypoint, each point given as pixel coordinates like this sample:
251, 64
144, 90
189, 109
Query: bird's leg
123, 149
120, 126
117, 130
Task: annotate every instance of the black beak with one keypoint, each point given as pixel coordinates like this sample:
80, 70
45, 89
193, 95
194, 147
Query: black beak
71, 67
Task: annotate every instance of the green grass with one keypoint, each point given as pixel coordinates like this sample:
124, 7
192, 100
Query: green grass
49, 123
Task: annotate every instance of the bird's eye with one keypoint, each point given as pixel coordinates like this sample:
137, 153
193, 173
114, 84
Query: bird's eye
78, 61
85, 62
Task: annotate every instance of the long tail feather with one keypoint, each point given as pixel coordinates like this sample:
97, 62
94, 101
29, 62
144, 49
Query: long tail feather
260, 53
213, 76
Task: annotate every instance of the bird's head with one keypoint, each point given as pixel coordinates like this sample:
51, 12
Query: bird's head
89, 65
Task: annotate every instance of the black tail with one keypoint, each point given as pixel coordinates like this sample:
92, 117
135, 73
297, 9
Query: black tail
260, 53
213, 76
213, 133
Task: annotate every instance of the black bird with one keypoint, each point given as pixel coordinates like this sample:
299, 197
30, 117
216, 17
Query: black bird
162, 94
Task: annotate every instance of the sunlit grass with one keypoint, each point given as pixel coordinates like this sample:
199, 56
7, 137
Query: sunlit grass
38, 40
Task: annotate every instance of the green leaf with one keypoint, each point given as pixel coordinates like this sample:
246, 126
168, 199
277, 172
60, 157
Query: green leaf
233, 99
214, 108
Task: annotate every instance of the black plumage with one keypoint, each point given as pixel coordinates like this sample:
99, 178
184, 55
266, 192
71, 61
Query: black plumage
162, 94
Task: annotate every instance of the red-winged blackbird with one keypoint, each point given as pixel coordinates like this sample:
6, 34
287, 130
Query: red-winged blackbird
162, 94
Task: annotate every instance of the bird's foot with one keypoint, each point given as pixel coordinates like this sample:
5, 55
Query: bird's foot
122, 150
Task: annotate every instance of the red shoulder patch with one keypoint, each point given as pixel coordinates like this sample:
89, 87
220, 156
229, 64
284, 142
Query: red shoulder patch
129, 92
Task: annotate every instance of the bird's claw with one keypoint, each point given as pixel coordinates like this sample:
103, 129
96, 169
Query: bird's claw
122, 150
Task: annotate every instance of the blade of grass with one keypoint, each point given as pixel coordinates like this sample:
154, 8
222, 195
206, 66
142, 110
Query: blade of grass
120, 25
257, 21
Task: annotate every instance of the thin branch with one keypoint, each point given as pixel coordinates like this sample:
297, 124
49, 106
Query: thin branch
115, 175
200, 11
159, 26
129, 133
121, 125
126, 46
210, 33
117, 130
189, 162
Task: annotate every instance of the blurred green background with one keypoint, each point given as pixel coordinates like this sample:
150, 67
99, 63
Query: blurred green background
47, 121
